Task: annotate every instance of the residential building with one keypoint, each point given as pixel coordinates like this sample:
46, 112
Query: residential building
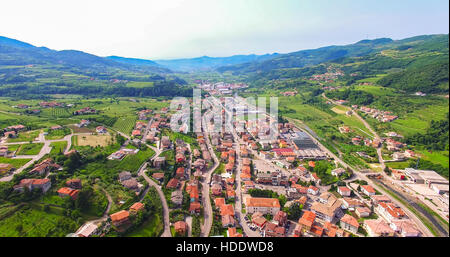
349, 223
327, 210
368, 190
120, 218
263, 205
344, 191
378, 228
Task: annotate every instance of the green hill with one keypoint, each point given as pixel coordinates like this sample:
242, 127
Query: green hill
430, 78
29, 71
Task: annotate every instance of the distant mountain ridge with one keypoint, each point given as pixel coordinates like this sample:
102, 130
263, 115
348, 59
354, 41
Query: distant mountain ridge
311, 57
15, 52
210, 63
134, 61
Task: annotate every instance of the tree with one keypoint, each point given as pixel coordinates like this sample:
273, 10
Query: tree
388, 171
294, 211
82, 202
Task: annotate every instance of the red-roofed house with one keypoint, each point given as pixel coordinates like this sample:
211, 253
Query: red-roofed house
390, 211
120, 218
227, 209
179, 173
349, 223
313, 190
344, 191
66, 191
219, 202
136, 207
281, 218
195, 207
368, 190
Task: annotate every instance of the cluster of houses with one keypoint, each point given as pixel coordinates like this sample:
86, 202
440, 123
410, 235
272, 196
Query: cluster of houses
26, 107
383, 116
226, 212
221, 88
84, 123
13, 131
72, 189
289, 93
289, 145
129, 182
51, 104
358, 140
331, 88
158, 123
182, 182
31, 184
121, 219
331, 75
139, 129
86, 110
45, 166
330, 216
259, 208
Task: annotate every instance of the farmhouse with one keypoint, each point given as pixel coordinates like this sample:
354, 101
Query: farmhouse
68, 192
120, 218
31, 184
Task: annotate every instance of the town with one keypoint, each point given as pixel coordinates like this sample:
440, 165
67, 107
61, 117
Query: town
259, 179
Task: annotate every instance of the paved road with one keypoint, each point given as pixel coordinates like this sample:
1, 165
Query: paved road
104, 216
166, 232
46, 149
238, 201
362, 176
141, 172
367, 125
206, 198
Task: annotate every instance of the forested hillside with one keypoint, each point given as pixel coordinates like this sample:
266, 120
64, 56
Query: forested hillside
431, 78
29, 71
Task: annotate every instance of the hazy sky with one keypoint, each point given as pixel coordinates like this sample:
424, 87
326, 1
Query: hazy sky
156, 29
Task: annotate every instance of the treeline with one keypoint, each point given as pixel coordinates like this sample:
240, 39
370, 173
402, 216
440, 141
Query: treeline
435, 138
353, 96
431, 78
166, 88
427, 165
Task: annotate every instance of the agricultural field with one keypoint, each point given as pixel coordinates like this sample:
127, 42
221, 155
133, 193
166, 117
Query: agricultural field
93, 140
58, 147
13, 148
58, 133
77, 130
30, 149
125, 124
137, 84
16, 163
25, 136
439, 157
32, 222
418, 120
